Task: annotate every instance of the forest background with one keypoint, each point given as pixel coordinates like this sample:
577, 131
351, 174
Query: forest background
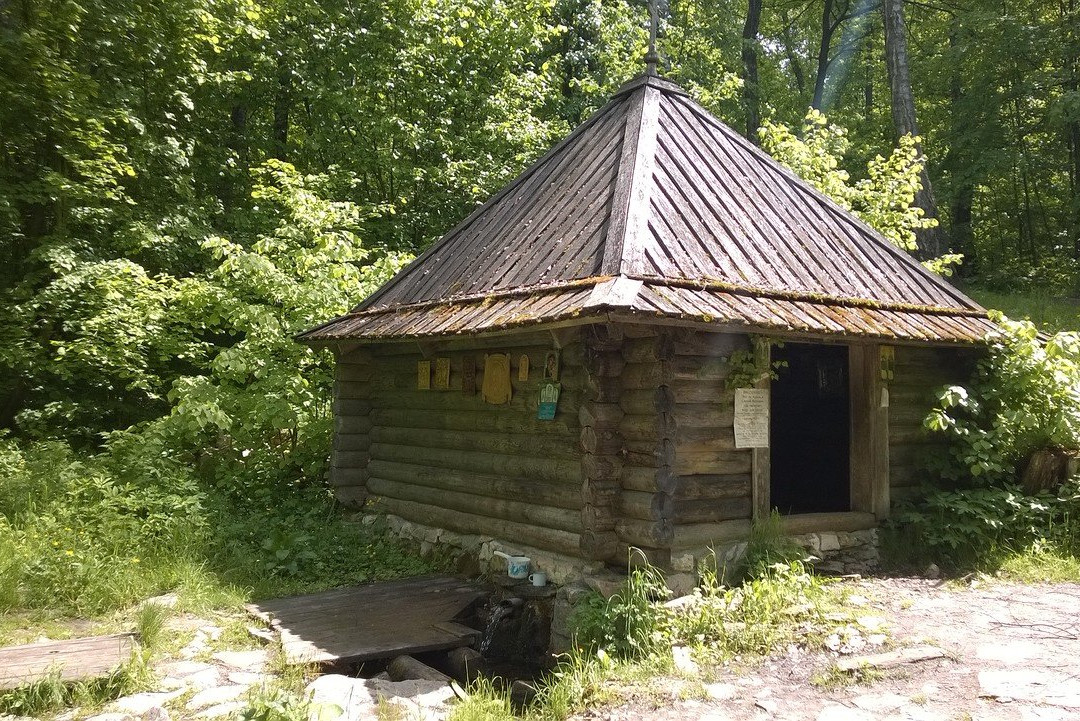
186, 184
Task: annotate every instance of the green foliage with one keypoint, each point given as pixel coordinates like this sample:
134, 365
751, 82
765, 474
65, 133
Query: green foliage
485, 702
768, 546
883, 199
51, 694
272, 703
1025, 396
631, 624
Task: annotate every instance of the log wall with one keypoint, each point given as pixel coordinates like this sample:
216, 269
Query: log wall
919, 375
447, 459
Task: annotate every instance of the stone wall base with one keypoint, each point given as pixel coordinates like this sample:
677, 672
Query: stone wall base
477, 553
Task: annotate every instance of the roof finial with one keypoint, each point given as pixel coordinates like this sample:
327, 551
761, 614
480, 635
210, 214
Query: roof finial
651, 57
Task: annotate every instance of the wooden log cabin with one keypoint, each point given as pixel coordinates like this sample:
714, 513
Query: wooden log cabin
647, 268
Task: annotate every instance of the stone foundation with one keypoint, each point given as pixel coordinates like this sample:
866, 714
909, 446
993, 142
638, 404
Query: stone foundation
477, 553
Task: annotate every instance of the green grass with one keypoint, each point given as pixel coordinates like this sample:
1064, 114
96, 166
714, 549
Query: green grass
1048, 312
50, 694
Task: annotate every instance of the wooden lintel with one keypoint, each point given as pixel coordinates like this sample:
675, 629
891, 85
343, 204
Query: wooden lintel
562, 337
428, 348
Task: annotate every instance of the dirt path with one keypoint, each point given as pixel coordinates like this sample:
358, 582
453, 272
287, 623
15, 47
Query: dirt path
1012, 653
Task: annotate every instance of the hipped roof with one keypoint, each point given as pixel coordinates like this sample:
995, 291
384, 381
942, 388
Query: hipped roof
653, 208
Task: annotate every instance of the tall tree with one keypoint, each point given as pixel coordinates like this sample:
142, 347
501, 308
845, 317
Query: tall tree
903, 113
751, 88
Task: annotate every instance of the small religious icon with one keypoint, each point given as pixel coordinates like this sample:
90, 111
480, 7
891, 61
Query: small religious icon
496, 387
551, 366
442, 374
523, 367
423, 375
549, 401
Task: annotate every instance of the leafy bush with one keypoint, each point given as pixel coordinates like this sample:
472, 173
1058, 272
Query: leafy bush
631, 624
1025, 396
768, 546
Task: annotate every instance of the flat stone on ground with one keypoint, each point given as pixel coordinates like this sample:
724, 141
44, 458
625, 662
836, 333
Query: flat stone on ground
721, 691
224, 709
215, 696
1046, 687
139, 704
837, 712
881, 702
242, 660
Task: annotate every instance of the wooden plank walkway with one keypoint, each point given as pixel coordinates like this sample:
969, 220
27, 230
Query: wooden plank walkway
378, 620
75, 659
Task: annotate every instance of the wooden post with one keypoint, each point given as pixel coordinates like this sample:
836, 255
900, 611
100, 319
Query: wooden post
869, 432
761, 478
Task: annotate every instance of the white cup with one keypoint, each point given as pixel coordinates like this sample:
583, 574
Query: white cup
538, 579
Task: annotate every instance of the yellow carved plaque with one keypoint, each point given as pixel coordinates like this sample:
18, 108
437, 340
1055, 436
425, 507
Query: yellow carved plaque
496, 388
423, 375
442, 374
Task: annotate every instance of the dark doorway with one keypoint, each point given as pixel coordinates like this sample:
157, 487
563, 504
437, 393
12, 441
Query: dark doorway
810, 431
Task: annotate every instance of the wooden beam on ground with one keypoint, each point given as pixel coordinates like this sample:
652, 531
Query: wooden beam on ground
74, 660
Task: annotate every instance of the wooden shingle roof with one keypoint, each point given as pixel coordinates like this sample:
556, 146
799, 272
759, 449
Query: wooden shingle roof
653, 207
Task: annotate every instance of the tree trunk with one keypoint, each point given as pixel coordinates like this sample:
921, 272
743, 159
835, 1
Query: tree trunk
961, 236
903, 113
751, 92
827, 28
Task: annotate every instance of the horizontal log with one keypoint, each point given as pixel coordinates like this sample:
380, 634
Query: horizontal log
352, 406
600, 545
354, 372
599, 467
652, 427
559, 495
645, 506
712, 486
352, 441
598, 518
510, 532
482, 441
689, 342
698, 415
351, 496
519, 511
482, 419
553, 469
600, 492
600, 441
694, 440
647, 401
404, 379
601, 415
604, 364
646, 375
640, 330
817, 522
713, 510
649, 480
648, 350
649, 454
718, 463
349, 390
523, 404
352, 424
340, 477
602, 389
714, 392
697, 535
356, 356
349, 459
653, 534
699, 368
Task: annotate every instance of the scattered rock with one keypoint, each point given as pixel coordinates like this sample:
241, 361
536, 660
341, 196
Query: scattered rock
215, 697
181, 669
225, 709
1046, 687
891, 659
721, 691
607, 585
107, 717
684, 661
261, 634
836, 712
357, 697
880, 702
242, 660
247, 678
141, 703
932, 571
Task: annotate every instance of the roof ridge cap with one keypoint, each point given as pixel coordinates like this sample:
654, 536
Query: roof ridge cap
630, 196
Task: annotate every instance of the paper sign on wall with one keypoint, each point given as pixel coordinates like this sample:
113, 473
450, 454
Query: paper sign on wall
751, 418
